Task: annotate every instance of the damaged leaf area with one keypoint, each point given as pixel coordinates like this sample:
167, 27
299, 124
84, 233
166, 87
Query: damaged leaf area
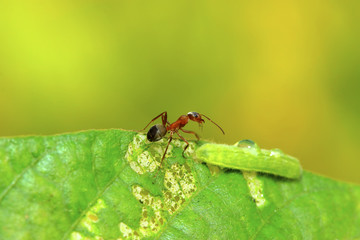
109, 184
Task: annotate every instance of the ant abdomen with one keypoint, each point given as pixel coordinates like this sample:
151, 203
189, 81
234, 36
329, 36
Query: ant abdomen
156, 132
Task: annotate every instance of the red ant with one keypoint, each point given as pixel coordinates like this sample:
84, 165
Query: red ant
158, 131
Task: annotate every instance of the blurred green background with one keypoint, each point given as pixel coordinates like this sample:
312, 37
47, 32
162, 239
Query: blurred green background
285, 74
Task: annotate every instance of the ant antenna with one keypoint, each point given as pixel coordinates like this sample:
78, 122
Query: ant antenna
213, 123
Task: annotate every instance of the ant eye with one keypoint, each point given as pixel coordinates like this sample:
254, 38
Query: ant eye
194, 114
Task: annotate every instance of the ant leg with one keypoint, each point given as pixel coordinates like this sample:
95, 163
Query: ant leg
191, 132
162, 159
164, 118
170, 139
187, 143
160, 115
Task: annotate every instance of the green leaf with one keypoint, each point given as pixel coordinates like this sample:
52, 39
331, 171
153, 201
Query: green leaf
102, 185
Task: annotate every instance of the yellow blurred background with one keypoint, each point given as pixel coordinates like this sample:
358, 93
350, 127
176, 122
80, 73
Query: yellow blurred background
285, 74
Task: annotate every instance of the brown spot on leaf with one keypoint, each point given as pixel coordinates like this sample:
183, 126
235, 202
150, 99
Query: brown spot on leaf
93, 217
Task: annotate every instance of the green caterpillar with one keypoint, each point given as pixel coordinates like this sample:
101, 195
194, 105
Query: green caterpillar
246, 155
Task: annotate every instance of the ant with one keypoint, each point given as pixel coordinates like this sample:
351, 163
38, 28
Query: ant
159, 131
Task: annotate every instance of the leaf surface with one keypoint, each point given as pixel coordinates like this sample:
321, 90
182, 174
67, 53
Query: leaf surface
102, 185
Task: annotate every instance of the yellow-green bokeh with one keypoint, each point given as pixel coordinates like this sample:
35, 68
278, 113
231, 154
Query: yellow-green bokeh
285, 74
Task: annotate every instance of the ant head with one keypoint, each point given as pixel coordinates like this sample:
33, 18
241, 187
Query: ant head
156, 132
196, 117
